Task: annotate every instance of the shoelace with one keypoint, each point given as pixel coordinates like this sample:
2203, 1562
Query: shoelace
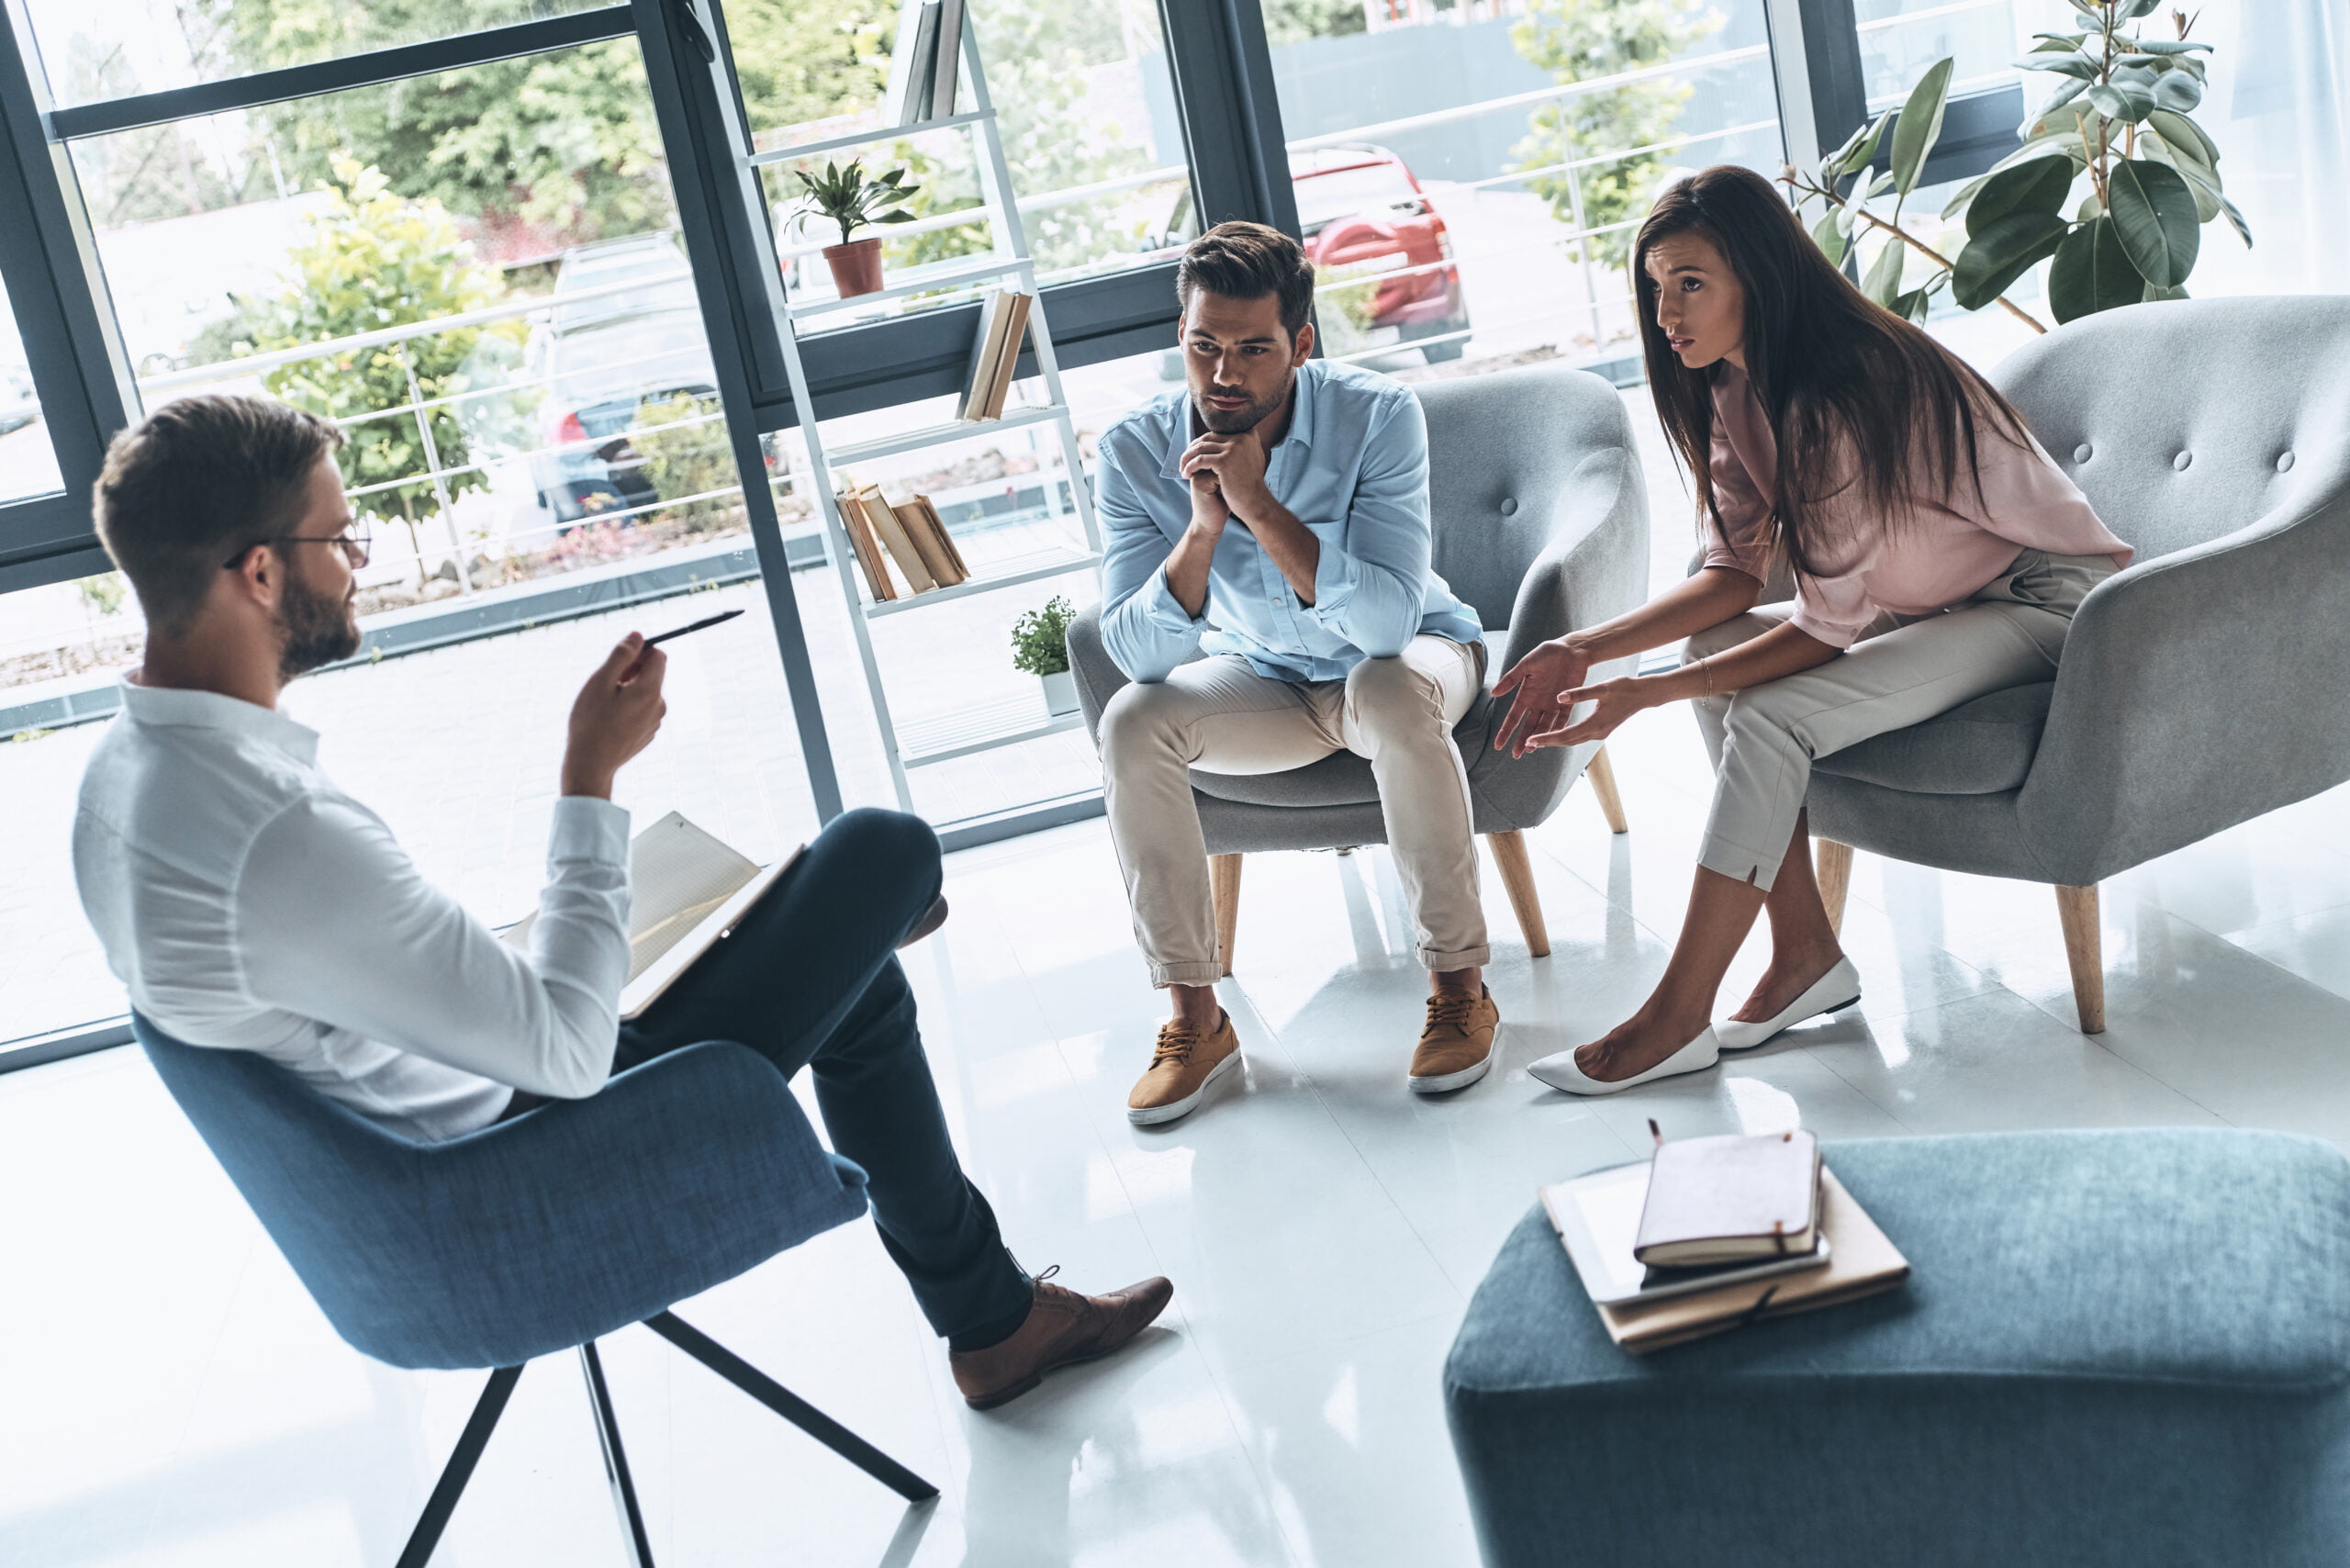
1175, 1043
1451, 1010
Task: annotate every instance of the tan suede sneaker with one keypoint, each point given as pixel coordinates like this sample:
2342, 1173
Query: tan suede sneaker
1182, 1071
1456, 1044
1063, 1328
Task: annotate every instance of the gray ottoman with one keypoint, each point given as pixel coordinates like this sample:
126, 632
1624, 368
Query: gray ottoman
2114, 1347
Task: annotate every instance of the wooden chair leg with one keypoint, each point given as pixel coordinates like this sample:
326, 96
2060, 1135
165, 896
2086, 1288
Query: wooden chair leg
1831, 866
1602, 774
1224, 879
2085, 950
1518, 875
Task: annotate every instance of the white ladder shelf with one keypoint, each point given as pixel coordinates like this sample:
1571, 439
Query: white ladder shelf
983, 727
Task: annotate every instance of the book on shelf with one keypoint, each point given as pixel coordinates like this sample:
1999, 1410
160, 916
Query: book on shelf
946, 55
907, 98
1004, 325
894, 538
865, 546
938, 554
688, 891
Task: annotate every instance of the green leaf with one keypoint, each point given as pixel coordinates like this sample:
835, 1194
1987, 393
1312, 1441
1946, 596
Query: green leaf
2134, 9
2177, 91
1967, 193
1914, 304
2179, 131
2002, 251
898, 216
1829, 239
1883, 280
2040, 185
1860, 152
2235, 219
2201, 181
2092, 273
2067, 65
2170, 45
1879, 186
2154, 212
2127, 103
2155, 293
2065, 93
1920, 125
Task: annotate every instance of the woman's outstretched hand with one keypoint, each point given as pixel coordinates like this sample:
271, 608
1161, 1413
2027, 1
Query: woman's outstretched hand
1613, 701
1539, 681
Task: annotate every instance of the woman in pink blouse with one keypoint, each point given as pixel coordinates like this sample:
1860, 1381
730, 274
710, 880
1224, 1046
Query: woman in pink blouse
1937, 552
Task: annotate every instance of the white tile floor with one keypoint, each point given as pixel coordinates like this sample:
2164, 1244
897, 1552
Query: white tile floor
168, 1396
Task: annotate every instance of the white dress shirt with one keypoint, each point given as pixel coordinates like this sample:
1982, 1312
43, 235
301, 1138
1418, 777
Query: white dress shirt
249, 903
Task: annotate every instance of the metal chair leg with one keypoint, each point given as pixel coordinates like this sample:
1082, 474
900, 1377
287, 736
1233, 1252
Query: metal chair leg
791, 1407
608, 1428
460, 1468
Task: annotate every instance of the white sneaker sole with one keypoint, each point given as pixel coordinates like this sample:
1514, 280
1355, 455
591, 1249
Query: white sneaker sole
1176, 1110
1445, 1082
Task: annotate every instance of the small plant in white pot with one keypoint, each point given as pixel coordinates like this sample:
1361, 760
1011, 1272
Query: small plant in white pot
1040, 647
846, 197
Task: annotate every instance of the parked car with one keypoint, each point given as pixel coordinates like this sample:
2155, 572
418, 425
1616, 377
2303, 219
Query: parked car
1360, 209
607, 359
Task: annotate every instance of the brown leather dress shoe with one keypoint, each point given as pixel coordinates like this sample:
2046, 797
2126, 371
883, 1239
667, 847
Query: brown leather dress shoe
1063, 1328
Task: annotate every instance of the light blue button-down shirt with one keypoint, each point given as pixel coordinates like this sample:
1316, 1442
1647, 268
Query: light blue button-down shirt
1353, 469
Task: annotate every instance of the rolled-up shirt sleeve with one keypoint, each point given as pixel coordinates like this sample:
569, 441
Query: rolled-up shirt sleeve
1144, 628
1738, 539
336, 923
1369, 584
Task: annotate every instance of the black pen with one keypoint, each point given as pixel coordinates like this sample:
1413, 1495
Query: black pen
696, 626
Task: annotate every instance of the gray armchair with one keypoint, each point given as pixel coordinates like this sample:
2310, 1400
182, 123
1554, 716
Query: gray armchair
2199, 688
1541, 524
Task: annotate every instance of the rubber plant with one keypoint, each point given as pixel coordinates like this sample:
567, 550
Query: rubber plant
2114, 180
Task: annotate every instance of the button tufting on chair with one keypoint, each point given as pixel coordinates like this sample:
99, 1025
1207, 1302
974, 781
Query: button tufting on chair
2181, 460
2081, 453
1509, 506
2284, 462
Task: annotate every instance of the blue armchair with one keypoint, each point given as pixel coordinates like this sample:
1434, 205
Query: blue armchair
540, 1234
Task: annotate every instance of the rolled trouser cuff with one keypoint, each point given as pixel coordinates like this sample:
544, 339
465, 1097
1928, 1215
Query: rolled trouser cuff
1463, 959
1165, 975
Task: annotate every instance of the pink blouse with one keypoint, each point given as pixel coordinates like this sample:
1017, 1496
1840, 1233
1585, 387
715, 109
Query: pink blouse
1946, 550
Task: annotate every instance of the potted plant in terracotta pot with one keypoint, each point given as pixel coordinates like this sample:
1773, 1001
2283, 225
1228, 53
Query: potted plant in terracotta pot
849, 199
1040, 647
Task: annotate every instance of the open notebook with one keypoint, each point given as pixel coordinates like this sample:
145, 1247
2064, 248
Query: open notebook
688, 890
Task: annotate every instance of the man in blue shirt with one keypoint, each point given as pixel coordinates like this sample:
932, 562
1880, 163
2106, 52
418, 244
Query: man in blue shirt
1274, 516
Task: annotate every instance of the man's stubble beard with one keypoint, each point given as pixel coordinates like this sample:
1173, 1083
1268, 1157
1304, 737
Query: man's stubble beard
1247, 419
317, 629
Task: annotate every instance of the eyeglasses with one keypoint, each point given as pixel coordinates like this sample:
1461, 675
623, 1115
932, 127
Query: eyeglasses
353, 545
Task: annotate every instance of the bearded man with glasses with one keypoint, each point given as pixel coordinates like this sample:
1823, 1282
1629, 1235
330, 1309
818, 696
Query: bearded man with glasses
248, 903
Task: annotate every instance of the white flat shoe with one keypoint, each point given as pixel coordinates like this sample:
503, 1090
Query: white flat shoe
1560, 1071
1839, 988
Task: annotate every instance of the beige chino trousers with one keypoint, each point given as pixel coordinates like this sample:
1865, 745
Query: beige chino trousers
1904, 670
1220, 715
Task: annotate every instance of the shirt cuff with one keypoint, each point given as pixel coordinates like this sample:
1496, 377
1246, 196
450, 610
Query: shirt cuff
1165, 610
1335, 573
587, 828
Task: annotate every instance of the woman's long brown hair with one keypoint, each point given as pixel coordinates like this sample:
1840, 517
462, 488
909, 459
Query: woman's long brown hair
1830, 366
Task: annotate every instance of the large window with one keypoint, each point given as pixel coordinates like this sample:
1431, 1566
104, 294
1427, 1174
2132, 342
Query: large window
1468, 178
28, 460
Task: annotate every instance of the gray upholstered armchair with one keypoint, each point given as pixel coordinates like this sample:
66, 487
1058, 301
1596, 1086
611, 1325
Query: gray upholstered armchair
2201, 688
1542, 524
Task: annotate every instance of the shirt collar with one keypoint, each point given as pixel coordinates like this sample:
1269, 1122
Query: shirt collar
1301, 423
175, 707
